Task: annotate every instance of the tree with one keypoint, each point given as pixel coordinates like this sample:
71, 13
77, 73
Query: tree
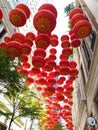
68, 8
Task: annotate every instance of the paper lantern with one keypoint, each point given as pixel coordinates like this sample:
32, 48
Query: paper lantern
73, 36
24, 8
26, 65
47, 68
49, 7
41, 81
17, 36
64, 37
54, 42
51, 81
43, 74
35, 70
76, 18
64, 71
28, 41
63, 57
38, 61
7, 39
67, 51
17, 17
44, 21
75, 43
53, 51
60, 89
13, 49
30, 35
72, 64
3, 45
82, 28
52, 57
29, 81
64, 63
23, 58
42, 41
24, 72
54, 36
74, 72
40, 52
65, 43
25, 49
74, 11
60, 97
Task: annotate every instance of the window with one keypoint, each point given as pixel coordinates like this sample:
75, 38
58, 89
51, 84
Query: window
83, 75
2, 32
87, 56
92, 38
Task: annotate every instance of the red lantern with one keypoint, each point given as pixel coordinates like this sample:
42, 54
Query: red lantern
30, 35
28, 41
1, 14
38, 61
82, 28
76, 18
29, 81
40, 52
64, 37
17, 17
24, 72
7, 39
35, 70
72, 64
51, 81
75, 11
23, 58
3, 45
60, 89
49, 7
24, 8
54, 36
42, 41
17, 36
67, 51
64, 63
25, 49
26, 65
13, 49
54, 42
53, 51
60, 97
65, 44
52, 57
64, 71
74, 72
75, 43
44, 21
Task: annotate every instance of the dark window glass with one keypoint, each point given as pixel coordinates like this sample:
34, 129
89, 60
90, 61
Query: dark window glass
2, 32
92, 38
87, 56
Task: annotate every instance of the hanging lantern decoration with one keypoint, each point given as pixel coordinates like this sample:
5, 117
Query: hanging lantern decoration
54, 42
64, 37
73, 36
1, 14
7, 39
51, 81
67, 51
23, 58
25, 49
82, 28
30, 35
60, 89
64, 71
17, 17
52, 57
40, 52
64, 63
42, 41
24, 72
17, 36
24, 8
54, 36
13, 49
72, 64
49, 7
53, 51
76, 18
26, 65
60, 97
65, 43
3, 45
41, 81
44, 21
38, 61
35, 70
28, 41
74, 72
75, 43
29, 81
63, 57
75, 11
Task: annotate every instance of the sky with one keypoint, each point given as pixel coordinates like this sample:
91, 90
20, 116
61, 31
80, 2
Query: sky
62, 21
